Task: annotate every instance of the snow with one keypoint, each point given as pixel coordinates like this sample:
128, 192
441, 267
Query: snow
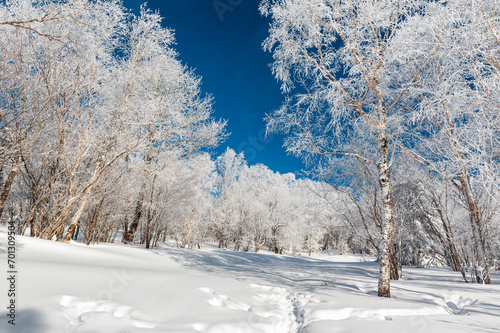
117, 288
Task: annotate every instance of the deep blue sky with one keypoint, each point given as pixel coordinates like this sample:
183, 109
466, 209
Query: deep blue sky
221, 40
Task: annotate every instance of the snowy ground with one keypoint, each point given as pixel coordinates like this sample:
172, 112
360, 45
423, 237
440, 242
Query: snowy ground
113, 288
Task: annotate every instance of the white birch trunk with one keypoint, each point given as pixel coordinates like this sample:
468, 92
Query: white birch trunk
384, 178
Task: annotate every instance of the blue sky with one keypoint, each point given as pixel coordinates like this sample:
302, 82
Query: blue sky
221, 40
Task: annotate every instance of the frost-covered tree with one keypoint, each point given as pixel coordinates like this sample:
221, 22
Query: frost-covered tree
337, 52
454, 104
187, 204
230, 206
45, 69
169, 110
428, 208
85, 88
321, 223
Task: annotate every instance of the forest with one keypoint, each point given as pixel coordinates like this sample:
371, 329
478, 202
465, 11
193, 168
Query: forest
394, 107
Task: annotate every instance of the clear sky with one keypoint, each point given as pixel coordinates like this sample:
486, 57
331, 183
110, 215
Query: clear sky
221, 40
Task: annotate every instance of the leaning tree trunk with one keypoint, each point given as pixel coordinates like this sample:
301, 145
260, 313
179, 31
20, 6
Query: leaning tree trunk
453, 255
478, 234
8, 183
76, 217
479, 242
448, 241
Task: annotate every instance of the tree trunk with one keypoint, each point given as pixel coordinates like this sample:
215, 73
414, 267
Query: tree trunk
76, 217
451, 252
477, 231
128, 236
60, 222
59, 233
395, 267
75, 236
386, 243
149, 228
8, 183
384, 178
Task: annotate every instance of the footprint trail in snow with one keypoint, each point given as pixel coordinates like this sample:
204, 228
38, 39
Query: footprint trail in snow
275, 310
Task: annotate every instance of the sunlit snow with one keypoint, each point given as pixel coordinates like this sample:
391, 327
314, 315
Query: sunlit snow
116, 288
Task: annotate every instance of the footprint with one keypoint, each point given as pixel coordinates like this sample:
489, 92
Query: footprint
455, 304
76, 310
221, 300
207, 290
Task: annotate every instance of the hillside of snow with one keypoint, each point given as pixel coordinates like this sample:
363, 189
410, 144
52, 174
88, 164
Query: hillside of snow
116, 288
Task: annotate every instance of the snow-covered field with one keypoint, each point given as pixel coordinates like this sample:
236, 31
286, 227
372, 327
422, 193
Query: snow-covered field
115, 288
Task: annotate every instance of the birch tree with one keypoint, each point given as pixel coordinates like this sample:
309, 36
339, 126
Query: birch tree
337, 52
